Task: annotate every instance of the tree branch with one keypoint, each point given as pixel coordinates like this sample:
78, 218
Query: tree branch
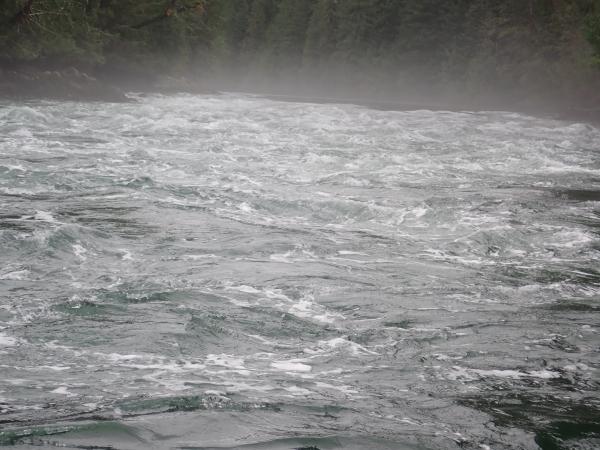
172, 8
24, 15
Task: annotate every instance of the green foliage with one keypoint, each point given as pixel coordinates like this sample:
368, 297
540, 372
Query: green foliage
260, 15
51, 29
592, 32
469, 44
321, 32
286, 34
152, 32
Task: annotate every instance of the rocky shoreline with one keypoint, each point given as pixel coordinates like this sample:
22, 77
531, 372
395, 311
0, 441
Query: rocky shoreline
72, 84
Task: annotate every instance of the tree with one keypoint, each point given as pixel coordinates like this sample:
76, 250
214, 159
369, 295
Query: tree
260, 15
321, 33
286, 34
592, 28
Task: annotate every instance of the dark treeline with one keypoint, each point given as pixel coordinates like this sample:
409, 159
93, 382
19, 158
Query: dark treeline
515, 48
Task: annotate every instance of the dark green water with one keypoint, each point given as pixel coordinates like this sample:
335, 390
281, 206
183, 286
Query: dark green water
201, 272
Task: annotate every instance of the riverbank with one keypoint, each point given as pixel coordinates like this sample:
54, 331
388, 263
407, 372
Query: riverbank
557, 111
72, 84
66, 84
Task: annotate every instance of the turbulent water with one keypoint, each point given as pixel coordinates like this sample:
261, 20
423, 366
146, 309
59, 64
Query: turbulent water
229, 271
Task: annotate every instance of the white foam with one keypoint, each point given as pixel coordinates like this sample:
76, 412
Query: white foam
245, 207
420, 211
572, 238
7, 341
63, 390
200, 257
266, 341
578, 367
80, 251
291, 366
15, 167
285, 258
53, 368
16, 275
307, 308
337, 344
44, 216
126, 254
244, 288
304, 308
224, 360
462, 373
117, 357
298, 391
343, 388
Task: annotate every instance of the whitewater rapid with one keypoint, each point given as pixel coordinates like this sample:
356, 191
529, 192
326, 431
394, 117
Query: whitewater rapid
229, 271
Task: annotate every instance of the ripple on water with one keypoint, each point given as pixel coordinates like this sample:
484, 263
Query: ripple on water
235, 272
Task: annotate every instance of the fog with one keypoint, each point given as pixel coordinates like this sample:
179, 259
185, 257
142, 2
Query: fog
300, 224
536, 56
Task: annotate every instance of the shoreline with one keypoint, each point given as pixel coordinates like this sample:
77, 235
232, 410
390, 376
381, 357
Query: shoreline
72, 84
571, 114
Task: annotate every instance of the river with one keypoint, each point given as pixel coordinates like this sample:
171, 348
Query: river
229, 271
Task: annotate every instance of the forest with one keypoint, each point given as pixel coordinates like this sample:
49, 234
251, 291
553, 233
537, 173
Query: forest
536, 48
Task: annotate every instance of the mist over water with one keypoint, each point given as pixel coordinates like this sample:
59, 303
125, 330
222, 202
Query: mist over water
229, 271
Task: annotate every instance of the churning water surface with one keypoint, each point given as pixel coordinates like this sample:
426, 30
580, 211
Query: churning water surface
229, 271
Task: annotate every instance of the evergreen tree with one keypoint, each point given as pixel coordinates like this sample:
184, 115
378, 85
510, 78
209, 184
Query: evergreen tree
517, 45
62, 30
592, 26
287, 33
321, 33
260, 15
